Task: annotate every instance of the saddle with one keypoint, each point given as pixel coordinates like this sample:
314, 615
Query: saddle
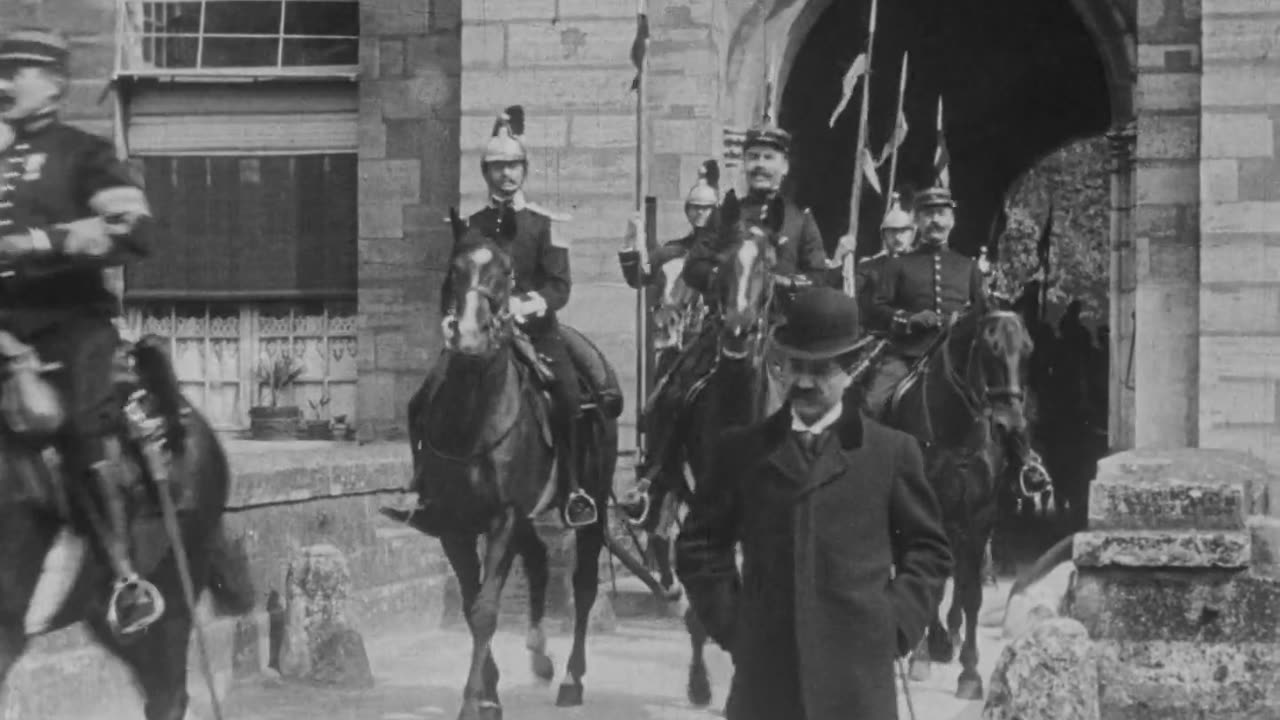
33, 413
596, 376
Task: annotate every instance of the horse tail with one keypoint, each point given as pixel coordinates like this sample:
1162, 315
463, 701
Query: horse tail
230, 581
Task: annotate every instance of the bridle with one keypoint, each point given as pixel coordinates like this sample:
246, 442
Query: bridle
758, 330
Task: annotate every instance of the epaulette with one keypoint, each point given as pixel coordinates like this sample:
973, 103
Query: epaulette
554, 216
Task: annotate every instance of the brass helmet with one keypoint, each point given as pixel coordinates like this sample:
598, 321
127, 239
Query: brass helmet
895, 218
505, 145
706, 193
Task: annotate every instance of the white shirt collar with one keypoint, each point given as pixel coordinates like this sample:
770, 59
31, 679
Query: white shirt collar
823, 423
517, 201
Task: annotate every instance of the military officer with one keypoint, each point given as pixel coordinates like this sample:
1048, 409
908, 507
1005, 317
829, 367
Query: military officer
897, 235
915, 292
801, 257
699, 208
540, 260
69, 209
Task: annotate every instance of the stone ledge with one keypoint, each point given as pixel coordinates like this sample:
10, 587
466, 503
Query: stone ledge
1188, 465
1176, 680
280, 472
1166, 504
1162, 549
1177, 606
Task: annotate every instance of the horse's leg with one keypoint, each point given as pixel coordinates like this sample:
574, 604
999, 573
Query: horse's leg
699, 689
969, 593
481, 610
534, 555
920, 666
158, 659
586, 583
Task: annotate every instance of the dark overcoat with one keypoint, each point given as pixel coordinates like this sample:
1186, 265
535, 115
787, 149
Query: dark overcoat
815, 620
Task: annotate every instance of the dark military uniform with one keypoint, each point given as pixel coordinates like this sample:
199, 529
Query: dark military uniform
798, 245
937, 279
638, 277
867, 274
53, 175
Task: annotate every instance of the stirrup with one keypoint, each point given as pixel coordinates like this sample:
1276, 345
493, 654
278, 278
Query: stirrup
134, 584
587, 506
638, 521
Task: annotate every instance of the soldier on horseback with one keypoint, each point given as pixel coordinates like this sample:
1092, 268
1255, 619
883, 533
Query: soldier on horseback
898, 235
542, 285
68, 210
915, 292
801, 262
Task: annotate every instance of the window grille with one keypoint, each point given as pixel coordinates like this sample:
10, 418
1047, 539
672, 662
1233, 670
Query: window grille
224, 38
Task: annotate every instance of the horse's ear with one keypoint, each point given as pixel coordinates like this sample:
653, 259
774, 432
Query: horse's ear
730, 210
457, 224
776, 214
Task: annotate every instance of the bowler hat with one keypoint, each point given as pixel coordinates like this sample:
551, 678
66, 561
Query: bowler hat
35, 47
821, 323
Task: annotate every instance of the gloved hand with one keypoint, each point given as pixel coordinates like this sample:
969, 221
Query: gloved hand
518, 308
847, 245
449, 326
924, 320
635, 238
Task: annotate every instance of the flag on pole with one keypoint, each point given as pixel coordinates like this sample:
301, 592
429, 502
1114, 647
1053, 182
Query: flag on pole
941, 158
895, 141
640, 45
869, 166
856, 70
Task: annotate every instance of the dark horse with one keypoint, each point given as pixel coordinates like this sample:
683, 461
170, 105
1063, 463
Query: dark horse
736, 391
966, 409
481, 440
48, 581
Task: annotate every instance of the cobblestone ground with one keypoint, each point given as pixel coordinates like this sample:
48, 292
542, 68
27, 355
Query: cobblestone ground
636, 672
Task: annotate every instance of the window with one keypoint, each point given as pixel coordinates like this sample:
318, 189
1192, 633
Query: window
227, 37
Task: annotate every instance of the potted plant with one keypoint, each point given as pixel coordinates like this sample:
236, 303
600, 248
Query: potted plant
341, 430
318, 428
276, 421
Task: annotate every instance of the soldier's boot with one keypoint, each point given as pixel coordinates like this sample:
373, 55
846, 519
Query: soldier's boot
135, 602
579, 509
426, 517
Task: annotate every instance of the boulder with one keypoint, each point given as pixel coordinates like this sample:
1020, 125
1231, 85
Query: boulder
1048, 673
319, 644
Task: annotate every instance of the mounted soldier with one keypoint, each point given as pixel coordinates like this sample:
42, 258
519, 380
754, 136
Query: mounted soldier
68, 210
801, 261
897, 236
540, 265
916, 292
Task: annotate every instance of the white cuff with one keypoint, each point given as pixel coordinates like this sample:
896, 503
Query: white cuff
40, 241
535, 305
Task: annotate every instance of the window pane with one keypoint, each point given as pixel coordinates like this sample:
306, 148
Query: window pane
236, 17
321, 51
322, 18
239, 52
170, 52
171, 17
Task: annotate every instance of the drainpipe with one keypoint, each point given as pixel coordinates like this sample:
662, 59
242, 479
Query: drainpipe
1122, 141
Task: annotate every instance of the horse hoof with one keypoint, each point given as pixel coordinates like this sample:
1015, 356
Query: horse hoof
570, 695
969, 688
941, 651
672, 592
920, 671
542, 667
699, 686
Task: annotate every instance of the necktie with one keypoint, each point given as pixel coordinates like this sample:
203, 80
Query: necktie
808, 441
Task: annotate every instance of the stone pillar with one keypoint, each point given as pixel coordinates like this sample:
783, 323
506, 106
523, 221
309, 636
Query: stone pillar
1123, 284
1167, 225
319, 643
1174, 588
1240, 203
409, 58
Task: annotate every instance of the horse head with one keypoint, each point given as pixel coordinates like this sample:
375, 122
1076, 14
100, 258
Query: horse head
481, 280
678, 308
744, 283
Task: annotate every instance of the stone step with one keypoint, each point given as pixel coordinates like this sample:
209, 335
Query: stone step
1166, 504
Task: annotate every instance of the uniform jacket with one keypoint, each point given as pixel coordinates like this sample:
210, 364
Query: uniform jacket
941, 280
866, 274
798, 245
59, 174
539, 262
814, 622
637, 277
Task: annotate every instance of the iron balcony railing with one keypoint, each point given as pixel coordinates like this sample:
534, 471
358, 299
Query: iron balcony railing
227, 38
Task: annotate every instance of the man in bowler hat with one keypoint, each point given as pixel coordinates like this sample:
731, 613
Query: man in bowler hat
844, 555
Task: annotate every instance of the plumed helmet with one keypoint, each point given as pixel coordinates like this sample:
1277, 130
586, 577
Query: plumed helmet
505, 145
895, 218
706, 193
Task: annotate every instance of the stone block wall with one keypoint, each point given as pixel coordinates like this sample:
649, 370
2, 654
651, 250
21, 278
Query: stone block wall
1166, 223
568, 63
409, 118
1240, 227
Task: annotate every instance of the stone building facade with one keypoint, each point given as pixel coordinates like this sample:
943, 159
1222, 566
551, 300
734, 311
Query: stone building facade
1190, 101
